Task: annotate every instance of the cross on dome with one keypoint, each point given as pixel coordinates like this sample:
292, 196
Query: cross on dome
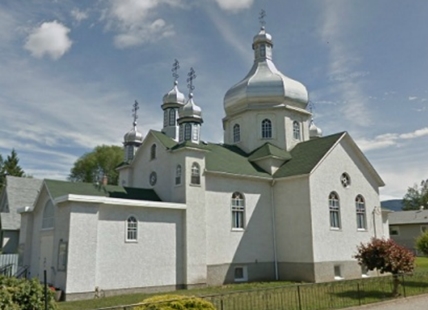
135, 108
191, 76
262, 16
175, 67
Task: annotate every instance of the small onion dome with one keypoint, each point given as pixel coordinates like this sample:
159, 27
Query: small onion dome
314, 131
262, 37
190, 112
133, 136
174, 97
264, 86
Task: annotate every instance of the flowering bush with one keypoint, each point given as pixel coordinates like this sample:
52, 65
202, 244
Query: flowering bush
386, 256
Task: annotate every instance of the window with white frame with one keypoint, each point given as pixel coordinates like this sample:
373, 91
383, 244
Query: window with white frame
187, 132
236, 133
165, 118
394, 230
195, 174
334, 206
153, 151
181, 134
195, 133
240, 274
171, 117
131, 229
178, 175
296, 130
238, 211
266, 129
360, 207
48, 215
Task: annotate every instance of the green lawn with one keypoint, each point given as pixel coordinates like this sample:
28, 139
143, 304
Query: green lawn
285, 295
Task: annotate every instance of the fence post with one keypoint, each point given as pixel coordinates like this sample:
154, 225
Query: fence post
299, 297
221, 304
403, 284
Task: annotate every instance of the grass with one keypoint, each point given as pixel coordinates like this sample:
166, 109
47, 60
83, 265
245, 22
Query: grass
285, 295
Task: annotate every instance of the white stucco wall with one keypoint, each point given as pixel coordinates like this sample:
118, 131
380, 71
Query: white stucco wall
226, 245
340, 244
156, 259
293, 220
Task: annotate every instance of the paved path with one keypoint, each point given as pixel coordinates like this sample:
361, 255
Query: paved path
414, 303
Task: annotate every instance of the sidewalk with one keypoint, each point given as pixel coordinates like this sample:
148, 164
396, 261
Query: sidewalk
419, 302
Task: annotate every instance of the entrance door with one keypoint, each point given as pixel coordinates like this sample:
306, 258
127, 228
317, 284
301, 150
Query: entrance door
45, 258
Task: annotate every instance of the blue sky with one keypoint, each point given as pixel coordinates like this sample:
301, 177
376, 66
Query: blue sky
71, 70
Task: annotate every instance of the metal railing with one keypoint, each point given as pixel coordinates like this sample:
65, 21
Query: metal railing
7, 270
331, 295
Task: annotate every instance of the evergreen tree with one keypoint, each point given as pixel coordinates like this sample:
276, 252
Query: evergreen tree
10, 166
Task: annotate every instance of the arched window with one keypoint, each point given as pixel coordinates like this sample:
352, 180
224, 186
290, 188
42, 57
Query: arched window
238, 210
165, 118
153, 151
187, 132
236, 133
360, 207
178, 175
266, 129
296, 130
48, 215
180, 134
334, 206
195, 133
131, 229
196, 174
171, 117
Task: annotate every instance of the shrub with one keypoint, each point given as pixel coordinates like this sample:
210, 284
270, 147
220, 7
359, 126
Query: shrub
422, 243
23, 294
175, 302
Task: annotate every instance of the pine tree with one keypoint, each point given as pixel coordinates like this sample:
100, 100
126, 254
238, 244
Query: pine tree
10, 166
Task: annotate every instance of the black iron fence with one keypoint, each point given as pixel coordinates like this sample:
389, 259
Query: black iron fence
332, 295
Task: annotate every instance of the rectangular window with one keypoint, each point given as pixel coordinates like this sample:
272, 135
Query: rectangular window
364, 271
424, 228
337, 272
62, 256
394, 230
240, 274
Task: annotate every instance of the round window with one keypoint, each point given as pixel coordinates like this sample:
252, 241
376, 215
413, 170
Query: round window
345, 180
153, 178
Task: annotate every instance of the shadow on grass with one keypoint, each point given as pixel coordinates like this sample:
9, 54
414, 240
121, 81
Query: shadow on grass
356, 295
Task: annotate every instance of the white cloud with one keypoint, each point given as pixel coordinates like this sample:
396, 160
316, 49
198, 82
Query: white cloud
390, 139
51, 39
134, 22
79, 15
346, 80
411, 98
234, 5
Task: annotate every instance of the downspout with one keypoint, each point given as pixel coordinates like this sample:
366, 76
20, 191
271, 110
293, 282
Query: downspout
272, 204
374, 221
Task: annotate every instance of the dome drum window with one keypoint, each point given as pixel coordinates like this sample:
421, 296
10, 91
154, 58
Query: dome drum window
236, 133
296, 130
266, 129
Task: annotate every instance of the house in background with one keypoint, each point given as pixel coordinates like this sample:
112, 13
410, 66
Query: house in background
18, 192
406, 226
275, 201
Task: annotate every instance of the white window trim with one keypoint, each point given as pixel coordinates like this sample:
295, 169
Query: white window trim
244, 272
126, 230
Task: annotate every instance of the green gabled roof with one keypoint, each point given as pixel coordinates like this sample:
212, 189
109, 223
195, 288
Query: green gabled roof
306, 155
61, 188
231, 159
164, 139
269, 150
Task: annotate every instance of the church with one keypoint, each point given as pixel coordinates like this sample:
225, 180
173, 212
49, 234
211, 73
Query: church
275, 201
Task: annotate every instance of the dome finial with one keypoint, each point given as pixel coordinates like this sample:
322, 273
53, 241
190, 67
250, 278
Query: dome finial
135, 108
262, 21
191, 76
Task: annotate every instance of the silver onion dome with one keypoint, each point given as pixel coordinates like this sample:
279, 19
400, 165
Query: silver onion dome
314, 131
264, 85
174, 96
190, 110
133, 136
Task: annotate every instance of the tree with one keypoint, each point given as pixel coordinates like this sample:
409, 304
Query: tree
386, 256
416, 196
422, 243
92, 166
10, 166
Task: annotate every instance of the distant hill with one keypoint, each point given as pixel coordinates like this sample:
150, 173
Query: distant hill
393, 204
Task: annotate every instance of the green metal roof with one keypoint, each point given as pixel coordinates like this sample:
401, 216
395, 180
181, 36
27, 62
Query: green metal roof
232, 160
306, 155
61, 188
269, 150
